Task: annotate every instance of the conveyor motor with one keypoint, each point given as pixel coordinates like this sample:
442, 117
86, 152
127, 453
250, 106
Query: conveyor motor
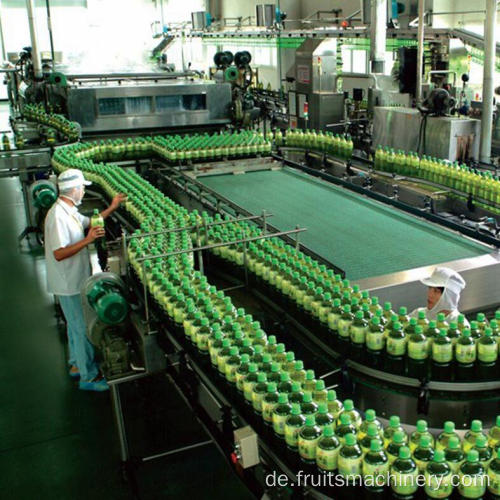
105, 296
44, 193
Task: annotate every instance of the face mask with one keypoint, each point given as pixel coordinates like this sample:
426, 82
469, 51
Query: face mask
76, 196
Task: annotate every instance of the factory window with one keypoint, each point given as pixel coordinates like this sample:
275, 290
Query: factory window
194, 102
138, 105
111, 106
165, 103
187, 102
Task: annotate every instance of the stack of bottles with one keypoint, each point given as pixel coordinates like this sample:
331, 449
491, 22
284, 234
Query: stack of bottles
307, 417
480, 184
37, 113
334, 144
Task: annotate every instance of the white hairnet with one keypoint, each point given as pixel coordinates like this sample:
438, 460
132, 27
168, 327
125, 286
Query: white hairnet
453, 285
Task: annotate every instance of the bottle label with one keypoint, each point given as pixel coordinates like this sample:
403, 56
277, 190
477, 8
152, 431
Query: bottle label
240, 377
323, 314
178, 315
349, 466
494, 484
472, 486
344, 327
465, 353
248, 390
213, 356
333, 321
292, 436
375, 471
375, 341
257, 401
404, 484
327, 459
396, 347
299, 297
307, 448
307, 302
487, 353
358, 334
267, 410
279, 422
202, 342
231, 372
442, 353
315, 307
221, 363
418, 350
438, 486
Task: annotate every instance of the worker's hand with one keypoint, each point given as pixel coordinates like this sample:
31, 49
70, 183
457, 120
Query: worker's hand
118, 200
94, 233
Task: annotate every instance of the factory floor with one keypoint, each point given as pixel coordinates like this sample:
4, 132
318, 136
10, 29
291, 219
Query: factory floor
59, 442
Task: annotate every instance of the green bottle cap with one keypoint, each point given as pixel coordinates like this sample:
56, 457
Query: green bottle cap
374, 301
296, 387
480, 317
310, 375
299, 365
347, 308
284, 377
359, 315
403, 311
404, 452
328, 431
472, 456
441, 317
233, 351
350, 439
307, 398
370, 415
336, 302
266, 358
421, 426
476, 426
421, 314
376, 321
332, 396
449, 427
283, 398
271, 387
245, 358
419, 329
498, 421
280, 348
345, 419
481, 441
488, 332
258, 349
348, 405
387, 306
226, 343
252, 368
295, 409
372, 430
396, 325
439, 456
398, 437
275, 367
454, 443
310, 420
320, 385
322, 408
425, 442
413, 321
261, 377
432, 323
466, 333
375, 445
290, 356
473, 325
271, 339
394, 421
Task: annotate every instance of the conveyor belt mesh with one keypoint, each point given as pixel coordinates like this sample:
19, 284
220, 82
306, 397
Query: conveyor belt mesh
361, 236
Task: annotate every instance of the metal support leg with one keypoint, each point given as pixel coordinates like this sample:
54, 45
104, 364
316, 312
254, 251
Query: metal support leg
146, 303
245, 262
198, 243
120, 423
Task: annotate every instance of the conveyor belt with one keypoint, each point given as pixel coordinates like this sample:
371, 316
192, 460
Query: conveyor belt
361, 236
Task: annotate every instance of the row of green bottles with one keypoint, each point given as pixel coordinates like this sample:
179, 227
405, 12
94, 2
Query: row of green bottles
335, 144
36, 112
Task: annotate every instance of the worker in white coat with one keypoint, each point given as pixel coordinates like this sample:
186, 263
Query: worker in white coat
443, 294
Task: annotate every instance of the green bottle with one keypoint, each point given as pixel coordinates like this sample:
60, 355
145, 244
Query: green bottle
375, 341
258, 393
418, 345
281, 413
444, 437
242, 371
423, 453
308, 406
372, 433
465, 349
327, 451
285, 385
270, 402
404, 472
484, 451
472, 480
375, 467
438, 477
350, 459
454, 455
334, 315
345, 322
356, 419
310, 382
335, 406
293, 425
476, 430
422, 430
398, 439
396, 341
358, 330
370, 419
487, 348
432, 333
320, 394
296, 396
422, 320
308, 439
494, 476
494, 434
249, 382
323, 418
453, 332
223, 355
442, 349
344, 427
393, 427
298, 374
232, 364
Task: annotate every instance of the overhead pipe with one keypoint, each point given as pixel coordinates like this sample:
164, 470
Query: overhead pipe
488, 76
378, 28
35, 54
420, 50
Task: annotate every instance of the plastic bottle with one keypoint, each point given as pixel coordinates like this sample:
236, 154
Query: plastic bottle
422, 430
323, 418
396, 341
375, 340
269, 403
358, 330
476, 430
494, 476
320, 394
293, 425
418, 345
393, 427
454, 455
484, 451
335, 406
372, 433
296, 396
465, 349
472, 483
249, 382
310, 382
232, 364
345, 322
355, 416
375, 467
404, 472
242, 371
487, 349
308, 439
494, 434
308, 406
350, 458
444, 437
327, 451
280, 415
399, 439
442, 349
370, 419
258, 393
438, 477
344, 427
